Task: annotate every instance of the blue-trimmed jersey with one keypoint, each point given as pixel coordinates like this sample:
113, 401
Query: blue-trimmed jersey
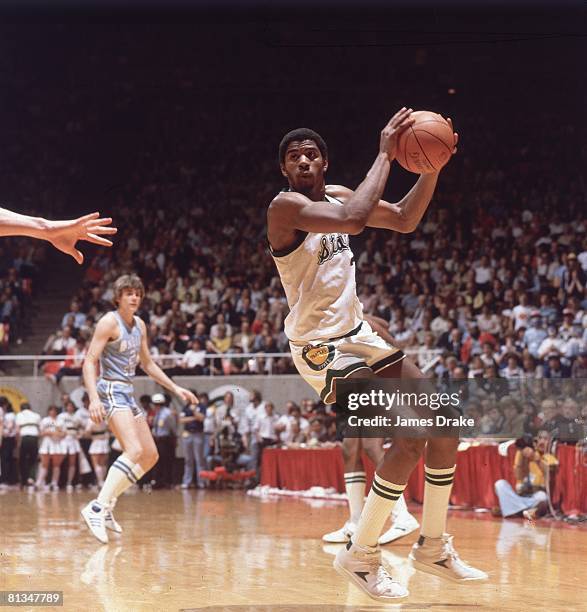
120, 357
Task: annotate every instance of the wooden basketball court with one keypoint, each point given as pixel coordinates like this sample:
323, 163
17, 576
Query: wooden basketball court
223, 550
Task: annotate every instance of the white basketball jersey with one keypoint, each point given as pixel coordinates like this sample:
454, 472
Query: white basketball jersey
318, 276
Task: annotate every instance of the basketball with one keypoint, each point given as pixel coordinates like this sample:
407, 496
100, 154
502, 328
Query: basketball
427, 146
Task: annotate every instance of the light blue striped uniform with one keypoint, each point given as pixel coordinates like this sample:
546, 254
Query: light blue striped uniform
117, 369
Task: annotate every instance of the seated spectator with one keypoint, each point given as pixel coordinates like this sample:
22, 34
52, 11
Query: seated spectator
220, 324
74, 318
492, 422
488, 321
488, 355
286, 423
61, 342
427, 351
72, 366
512, 369
188, 306
221, 343
570, 428
244, 339
193, 361
317, 433
532, 465
554, 368
579, 368
403, 337
296, 436
513, 423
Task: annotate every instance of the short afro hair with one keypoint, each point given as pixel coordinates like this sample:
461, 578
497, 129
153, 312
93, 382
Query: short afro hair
302, 134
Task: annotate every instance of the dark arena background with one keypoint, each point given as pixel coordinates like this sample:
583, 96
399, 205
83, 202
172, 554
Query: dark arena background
167, 118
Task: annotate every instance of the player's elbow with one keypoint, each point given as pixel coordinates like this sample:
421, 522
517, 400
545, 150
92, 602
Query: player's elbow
409, 227
355, 224
406, 225
88, 366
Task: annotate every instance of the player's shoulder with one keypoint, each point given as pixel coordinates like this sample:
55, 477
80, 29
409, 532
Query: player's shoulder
287, 199
107, 323
108, 318
340, 192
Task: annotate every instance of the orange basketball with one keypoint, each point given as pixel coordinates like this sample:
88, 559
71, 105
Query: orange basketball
427, 145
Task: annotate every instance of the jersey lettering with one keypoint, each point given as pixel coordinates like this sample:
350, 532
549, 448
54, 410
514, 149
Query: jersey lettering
331, 245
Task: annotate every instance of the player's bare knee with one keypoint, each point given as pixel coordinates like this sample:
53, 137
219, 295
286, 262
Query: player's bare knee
149, 458
411, 448
351, 449
133, 452
373, 450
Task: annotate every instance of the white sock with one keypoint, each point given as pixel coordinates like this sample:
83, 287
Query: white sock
382, 497
120, 476
400, 509
437, 488
137, 472
354, 483
56, 472
99, 470
42, 475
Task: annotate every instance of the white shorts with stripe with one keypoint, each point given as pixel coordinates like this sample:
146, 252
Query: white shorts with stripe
116, 395
320, 363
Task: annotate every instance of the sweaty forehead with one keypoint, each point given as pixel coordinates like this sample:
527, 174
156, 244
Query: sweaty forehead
301, 144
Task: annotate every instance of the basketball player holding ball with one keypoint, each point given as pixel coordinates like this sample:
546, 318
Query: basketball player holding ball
307, 227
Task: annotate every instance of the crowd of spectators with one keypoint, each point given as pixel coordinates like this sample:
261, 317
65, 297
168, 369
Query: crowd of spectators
494, 277
17, 263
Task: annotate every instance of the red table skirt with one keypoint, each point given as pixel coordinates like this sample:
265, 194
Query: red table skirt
478, 468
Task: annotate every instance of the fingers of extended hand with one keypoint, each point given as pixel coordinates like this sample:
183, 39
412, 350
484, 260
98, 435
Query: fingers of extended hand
98, 240
98, 229
88, 217
101, 221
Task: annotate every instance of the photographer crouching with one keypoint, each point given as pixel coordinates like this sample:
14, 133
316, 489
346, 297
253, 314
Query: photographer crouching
533, 464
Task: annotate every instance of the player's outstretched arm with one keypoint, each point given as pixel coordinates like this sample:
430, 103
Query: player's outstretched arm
405, 215
106, 328
157, 374
295, 210
63, 235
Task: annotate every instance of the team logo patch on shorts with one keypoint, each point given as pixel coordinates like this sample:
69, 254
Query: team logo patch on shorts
318, 356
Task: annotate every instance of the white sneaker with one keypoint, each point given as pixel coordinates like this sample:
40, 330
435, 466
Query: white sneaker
363, 567
110, 522
342, 535
94, 514
69, 488
437, 556
400, 528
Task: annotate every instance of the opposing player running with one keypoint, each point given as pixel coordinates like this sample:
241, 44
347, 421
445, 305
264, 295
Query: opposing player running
308, 228
119, 343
